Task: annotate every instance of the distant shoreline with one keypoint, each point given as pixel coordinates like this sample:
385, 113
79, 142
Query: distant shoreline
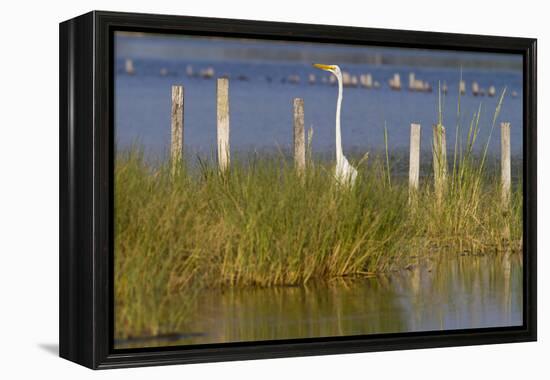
163, 46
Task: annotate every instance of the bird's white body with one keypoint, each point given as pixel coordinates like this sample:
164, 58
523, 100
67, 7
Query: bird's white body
344, 173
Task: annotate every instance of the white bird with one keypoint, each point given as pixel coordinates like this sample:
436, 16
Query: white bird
344, 173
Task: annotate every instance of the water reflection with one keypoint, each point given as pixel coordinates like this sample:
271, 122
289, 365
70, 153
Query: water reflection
457, 293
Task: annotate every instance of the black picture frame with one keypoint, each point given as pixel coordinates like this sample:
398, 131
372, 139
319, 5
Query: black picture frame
86, 189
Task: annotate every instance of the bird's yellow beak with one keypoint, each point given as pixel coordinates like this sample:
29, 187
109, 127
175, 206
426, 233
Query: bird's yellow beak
323, 67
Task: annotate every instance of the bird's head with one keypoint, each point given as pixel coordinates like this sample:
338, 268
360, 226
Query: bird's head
330, 68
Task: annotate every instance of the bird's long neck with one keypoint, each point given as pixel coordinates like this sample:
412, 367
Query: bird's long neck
339, 151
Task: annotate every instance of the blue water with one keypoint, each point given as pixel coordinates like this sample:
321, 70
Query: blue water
261, 106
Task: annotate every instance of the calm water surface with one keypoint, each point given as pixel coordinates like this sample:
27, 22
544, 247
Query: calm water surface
261, 98
457, 293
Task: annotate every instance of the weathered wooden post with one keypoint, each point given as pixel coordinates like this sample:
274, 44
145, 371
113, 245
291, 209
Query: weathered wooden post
475, 89
309, 152
299, 136
444, 88
414, 160
439, 149
129, 66
223, 122
395, 82
176, 145
412, 81
505, 164
462, 87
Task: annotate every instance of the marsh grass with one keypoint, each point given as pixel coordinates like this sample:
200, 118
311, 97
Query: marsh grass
260, 223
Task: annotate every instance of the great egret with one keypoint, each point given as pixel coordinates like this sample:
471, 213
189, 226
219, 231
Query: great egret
344, 173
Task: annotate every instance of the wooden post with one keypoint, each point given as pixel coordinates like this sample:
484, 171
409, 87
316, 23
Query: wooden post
223, 122
309, 153
475, 89
462, 87
414, 158
505, 163
412, 81
439, 160
129, 66
176, 146
299, 136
